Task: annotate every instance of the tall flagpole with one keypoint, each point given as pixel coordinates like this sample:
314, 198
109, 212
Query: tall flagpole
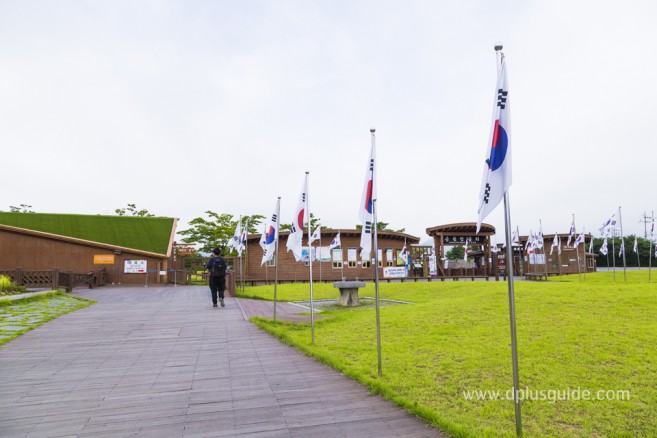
278, 221
613, 255
540, 225
512, 300
246, 251
310, 266
512, 314
320, 253
376, 273
651, 246
579, 268
620, 219
559, 255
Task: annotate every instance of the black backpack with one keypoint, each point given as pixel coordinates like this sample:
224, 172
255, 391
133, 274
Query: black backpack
218, 267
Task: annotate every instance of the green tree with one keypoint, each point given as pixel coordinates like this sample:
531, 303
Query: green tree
383, 226
23, 208
313, 224
132, 209
217, 231
613, 244
455, 253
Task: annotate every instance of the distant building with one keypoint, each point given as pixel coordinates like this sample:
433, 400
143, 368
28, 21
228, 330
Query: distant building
478, 263
557, 264
128, 248
344, 261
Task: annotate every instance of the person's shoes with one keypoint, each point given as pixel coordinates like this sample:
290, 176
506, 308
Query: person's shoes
222, 302
214, 305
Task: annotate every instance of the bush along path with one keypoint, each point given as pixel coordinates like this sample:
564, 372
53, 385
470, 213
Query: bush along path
20, 316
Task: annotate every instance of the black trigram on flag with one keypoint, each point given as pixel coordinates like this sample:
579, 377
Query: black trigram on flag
372, 165
486, 193
274, 217
501, 98
368, 227
293, 229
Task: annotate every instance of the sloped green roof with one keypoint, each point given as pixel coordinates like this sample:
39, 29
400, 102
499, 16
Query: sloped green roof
143, 233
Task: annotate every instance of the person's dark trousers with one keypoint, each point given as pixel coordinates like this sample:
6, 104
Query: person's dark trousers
217, 286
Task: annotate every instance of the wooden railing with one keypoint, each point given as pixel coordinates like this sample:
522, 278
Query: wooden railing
54, 279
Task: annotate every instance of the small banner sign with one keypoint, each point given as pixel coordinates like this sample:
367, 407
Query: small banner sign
394, 272
103, 259
134, 267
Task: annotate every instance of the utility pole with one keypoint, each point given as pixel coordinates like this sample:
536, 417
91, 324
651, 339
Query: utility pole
645, 221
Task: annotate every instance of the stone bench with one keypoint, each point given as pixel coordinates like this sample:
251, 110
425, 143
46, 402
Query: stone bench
348, 292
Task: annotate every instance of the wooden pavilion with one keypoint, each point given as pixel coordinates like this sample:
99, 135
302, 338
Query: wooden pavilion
461, 234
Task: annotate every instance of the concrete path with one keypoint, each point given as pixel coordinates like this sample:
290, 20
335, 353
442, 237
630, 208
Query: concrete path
161, 362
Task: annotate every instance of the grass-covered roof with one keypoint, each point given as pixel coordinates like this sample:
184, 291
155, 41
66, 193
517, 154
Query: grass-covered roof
142, 233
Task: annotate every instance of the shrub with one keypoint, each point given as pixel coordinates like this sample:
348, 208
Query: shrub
8, 287
5, 283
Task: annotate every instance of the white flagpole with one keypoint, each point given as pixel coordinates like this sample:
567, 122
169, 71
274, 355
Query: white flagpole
278, 221
320, 253
376, 272
246, 253
579, 268
310, 266
620, 219
651, 246
613, 255
540, 228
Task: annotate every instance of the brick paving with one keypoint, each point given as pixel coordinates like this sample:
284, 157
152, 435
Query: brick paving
161, 362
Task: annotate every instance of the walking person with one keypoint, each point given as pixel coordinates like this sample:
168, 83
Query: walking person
217, 269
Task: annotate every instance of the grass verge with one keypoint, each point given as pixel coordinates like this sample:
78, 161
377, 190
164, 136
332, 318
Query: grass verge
594, 335
20, 316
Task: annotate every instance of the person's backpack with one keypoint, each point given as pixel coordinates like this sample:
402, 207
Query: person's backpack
218, 267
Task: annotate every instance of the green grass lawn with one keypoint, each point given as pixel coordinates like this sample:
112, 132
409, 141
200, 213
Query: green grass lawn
20, 316
591, 335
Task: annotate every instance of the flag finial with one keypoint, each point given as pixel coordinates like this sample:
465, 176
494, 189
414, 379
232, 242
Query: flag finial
372, 130
498, 46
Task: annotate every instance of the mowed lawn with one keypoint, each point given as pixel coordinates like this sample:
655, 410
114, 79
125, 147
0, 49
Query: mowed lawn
593, 335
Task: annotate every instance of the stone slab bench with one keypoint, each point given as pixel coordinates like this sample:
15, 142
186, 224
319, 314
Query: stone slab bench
348, 292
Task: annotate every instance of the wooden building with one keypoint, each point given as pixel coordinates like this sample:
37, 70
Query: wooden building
129, 249
343, 261
541, 260
462, 234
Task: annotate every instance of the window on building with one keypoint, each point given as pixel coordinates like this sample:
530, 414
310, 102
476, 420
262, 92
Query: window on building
337, 265
351, 264
271, 262
367, 264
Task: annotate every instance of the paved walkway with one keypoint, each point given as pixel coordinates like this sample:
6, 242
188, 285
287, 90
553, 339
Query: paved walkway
161, 362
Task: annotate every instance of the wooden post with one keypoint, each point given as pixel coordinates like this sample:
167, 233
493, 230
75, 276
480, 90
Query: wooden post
55, 279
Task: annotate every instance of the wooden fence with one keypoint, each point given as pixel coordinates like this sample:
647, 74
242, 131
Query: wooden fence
54, 279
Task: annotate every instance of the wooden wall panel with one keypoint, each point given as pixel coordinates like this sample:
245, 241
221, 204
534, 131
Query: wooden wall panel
39, 253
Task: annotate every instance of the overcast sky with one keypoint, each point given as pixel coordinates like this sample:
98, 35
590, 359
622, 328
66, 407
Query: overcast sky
188, 106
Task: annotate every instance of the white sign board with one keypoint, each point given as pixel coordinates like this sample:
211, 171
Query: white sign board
134, 267
394, 272
433, 269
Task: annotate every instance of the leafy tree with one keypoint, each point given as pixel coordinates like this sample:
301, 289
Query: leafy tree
455, 253
313, 224
23, 208
217, 231
644, 247
132, 208
383, 226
